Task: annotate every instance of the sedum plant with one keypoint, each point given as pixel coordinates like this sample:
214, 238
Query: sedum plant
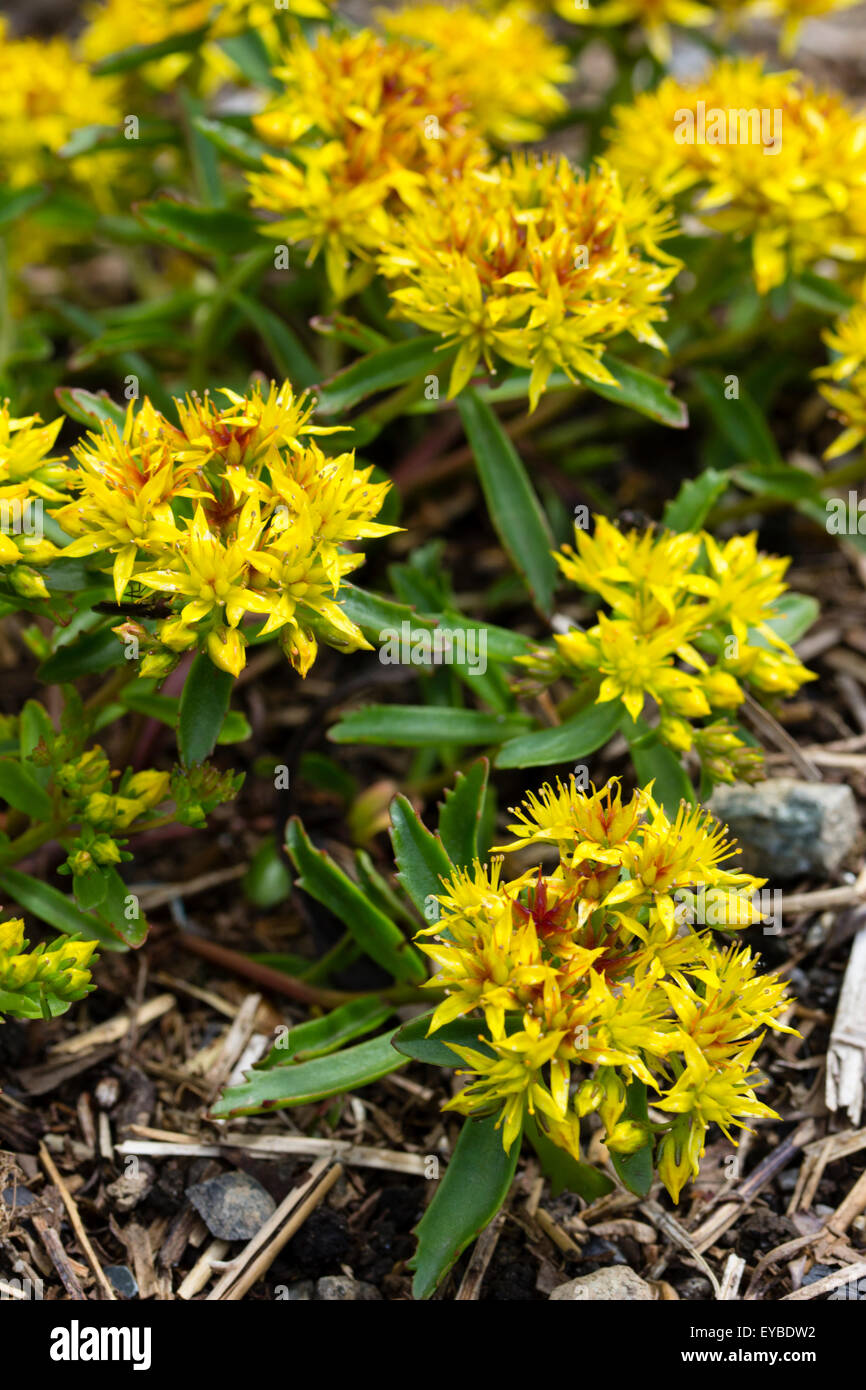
586, 993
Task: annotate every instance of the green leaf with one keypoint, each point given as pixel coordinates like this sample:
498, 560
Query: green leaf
331, 1075
695, 500
420, 856
379, 937
513, 506
203, 705
140, 53
34, 727
653, 762
740, 421
412, 1040
267, 881
19, 787
640, 391
89, 409
319, 1036
817, 292
635, 1170
289, 358
422, 726
90, 887
239, 145
14, 202
794, 615
475, 1185
460, 815
85, 656
373, 614
202, 231
53, 907
380, 371
250, 53
90, 138
565, 1174
573, 739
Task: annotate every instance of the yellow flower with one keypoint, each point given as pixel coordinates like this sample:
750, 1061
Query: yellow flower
690, 620
654, 16
532, 262
761, 155
849, 407
368, 121
505, 63
46, 94
794, 13
52, 975
583, 983
235, 513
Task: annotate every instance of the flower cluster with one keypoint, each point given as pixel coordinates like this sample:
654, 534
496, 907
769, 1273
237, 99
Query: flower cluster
47, 93
367, 121
505, 63
771, 158
235, 513
595, 966
45, 981
688, 628
29, 476
846, 389
656, 18
534, 262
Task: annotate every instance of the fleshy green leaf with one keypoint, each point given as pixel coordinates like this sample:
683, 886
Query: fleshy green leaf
740, 421
795, 614
423, 726
203, 231
317, 1079
379, 937
87, 408
53, 907
573, 739
513, 506
203, 705
565, 1174
19, 787
412, 1040
475, 1185
653, 762
380, 371
140, 53
320, 1036
85, 656
239, 145
460, 815
267, 881
640, 391
420, 856
695, 500
635, 1170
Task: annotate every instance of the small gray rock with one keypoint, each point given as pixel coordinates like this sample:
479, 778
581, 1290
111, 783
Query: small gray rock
233, 1206
788, 828
618, 1282
339, 1288
122, 1280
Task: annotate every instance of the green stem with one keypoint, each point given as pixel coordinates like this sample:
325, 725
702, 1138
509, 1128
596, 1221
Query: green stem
243, 271
30, 840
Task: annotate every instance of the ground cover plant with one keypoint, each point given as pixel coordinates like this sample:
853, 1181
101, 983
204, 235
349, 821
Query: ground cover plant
430, 450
